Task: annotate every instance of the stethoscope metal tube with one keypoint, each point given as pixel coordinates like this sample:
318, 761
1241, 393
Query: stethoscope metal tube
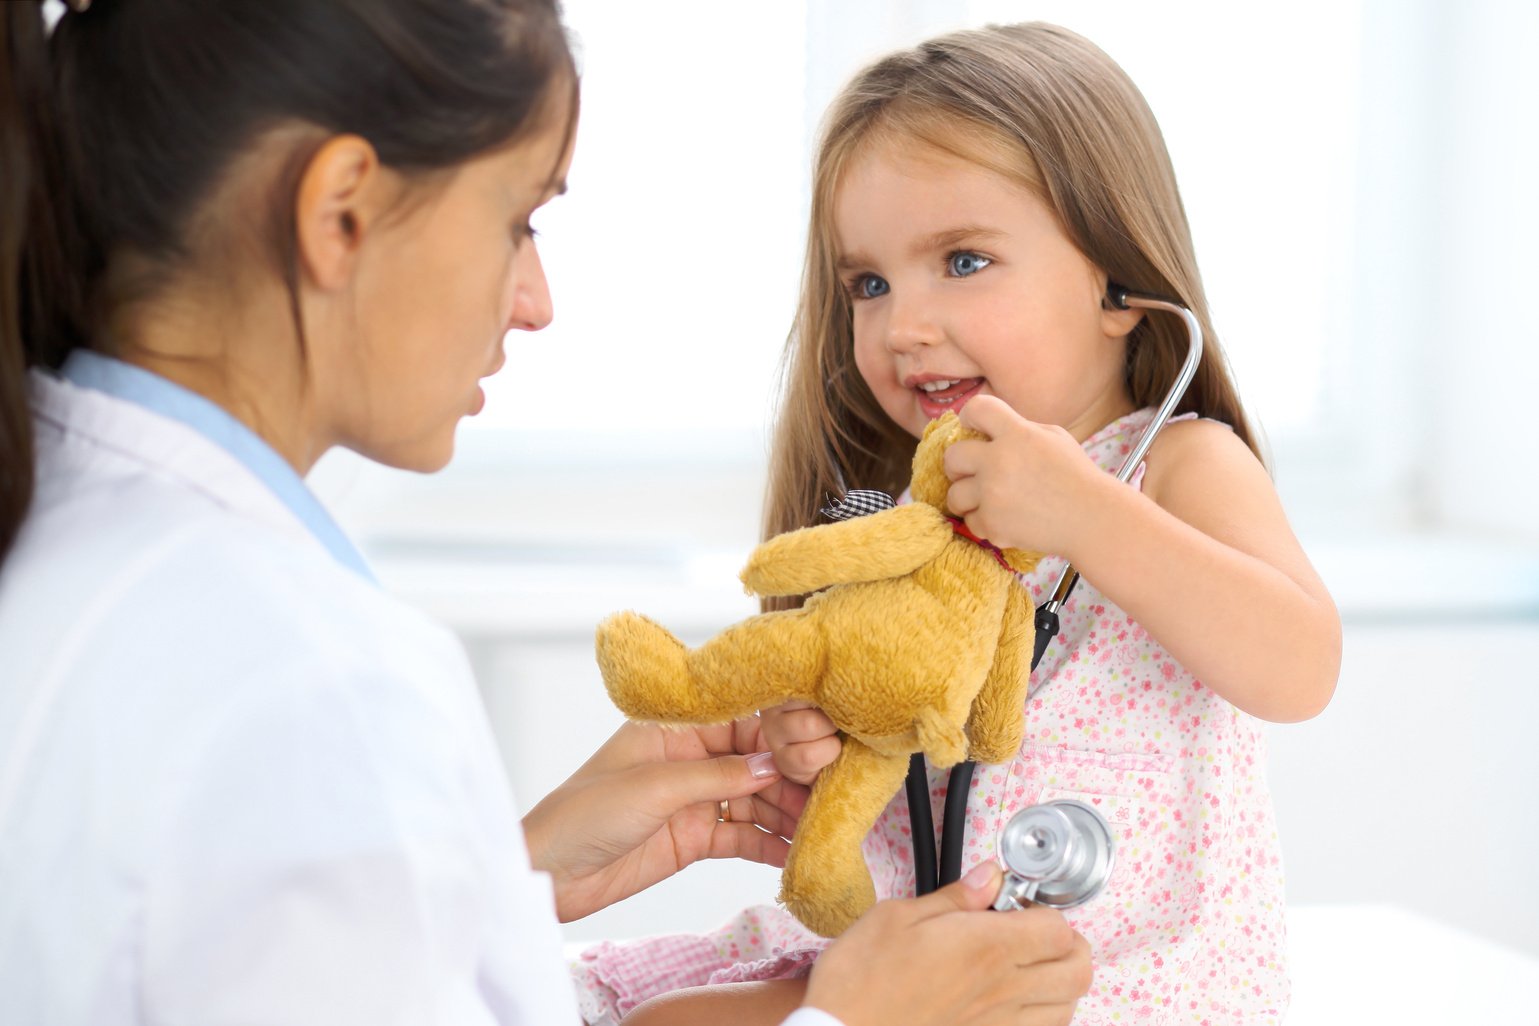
926, 875
1047, 613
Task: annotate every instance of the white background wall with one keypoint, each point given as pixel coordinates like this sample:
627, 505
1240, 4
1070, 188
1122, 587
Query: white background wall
1360, 180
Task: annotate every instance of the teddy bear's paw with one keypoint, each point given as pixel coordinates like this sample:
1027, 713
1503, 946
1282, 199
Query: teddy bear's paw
993, 751
827, 912
644, 668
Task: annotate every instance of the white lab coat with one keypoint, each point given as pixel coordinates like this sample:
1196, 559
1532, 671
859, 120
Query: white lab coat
239, 783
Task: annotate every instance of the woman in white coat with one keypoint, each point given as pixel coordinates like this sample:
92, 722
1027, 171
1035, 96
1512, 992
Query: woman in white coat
239, 783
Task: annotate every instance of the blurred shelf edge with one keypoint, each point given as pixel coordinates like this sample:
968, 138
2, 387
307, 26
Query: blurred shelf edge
560, 592
544, 589
1422, 576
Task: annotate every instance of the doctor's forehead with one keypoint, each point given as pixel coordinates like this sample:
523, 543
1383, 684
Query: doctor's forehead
534, 168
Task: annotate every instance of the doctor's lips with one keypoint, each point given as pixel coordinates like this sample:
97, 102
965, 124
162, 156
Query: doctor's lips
936, 394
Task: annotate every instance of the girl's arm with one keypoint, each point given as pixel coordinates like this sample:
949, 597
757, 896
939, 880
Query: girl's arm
759, 1003
1203, 557
1205, 560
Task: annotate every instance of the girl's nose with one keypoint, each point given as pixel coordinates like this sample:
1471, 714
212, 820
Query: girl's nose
532, 306
910, 324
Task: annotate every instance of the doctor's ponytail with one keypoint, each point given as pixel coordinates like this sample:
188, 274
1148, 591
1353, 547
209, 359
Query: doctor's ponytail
22, 56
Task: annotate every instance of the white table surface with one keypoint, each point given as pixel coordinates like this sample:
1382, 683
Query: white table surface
1382, 965
1354, 965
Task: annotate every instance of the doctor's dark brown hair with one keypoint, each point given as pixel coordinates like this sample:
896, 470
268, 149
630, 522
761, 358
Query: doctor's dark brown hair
117, 129
1040, 106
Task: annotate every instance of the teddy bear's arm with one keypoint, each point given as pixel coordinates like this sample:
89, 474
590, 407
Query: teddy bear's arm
998, 720
891, 543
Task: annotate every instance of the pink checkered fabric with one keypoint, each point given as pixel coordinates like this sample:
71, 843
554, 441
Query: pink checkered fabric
759, 943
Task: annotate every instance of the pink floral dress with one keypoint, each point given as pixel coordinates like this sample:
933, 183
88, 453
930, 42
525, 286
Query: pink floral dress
1190, 926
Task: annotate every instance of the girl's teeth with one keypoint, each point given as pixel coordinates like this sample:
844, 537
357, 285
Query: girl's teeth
937, 386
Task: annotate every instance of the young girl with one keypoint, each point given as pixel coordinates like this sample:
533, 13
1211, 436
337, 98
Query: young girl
973, 200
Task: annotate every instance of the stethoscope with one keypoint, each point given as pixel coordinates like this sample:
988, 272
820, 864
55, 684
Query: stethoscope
1057, 853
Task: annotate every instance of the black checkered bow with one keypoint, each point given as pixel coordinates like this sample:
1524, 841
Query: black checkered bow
858, 502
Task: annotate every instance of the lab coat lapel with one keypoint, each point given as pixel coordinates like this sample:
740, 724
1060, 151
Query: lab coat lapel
163, 446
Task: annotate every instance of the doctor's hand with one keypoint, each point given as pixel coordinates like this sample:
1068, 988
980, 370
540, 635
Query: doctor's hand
650, 801
943, 959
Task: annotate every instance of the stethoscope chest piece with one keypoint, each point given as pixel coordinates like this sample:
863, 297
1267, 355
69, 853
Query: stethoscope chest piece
1058, 854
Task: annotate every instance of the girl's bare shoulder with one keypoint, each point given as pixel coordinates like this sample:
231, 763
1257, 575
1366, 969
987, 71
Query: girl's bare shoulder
1202, 472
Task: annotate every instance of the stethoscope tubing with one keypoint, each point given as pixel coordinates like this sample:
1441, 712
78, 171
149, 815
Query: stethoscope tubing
927, 875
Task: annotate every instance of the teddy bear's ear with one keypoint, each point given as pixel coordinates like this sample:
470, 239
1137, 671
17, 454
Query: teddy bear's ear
929, 483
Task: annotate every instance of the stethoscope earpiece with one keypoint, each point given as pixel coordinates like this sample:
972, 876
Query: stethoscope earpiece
1116, 297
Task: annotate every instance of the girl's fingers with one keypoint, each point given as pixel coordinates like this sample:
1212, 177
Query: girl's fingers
808, 724
803, 761
963, 459
793, 722
803, 739
988, 414
797, 727
963, 497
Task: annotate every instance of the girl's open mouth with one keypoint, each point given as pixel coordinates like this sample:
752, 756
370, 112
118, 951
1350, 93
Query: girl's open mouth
936, 397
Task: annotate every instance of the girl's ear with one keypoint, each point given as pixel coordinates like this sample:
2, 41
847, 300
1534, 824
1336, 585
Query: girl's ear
337, 199
1115, 321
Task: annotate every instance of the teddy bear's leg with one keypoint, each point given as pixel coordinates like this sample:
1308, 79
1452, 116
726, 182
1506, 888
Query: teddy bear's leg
825, 883
761, 661
998, 717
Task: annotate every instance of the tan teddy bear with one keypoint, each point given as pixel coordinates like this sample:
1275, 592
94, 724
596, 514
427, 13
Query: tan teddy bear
918, 639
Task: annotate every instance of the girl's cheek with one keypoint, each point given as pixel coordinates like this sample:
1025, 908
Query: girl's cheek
860, 345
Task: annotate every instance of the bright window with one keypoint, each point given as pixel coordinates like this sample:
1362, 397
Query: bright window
674, 260
1333, 156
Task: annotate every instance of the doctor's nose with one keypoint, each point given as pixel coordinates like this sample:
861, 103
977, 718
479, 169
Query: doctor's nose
532, 305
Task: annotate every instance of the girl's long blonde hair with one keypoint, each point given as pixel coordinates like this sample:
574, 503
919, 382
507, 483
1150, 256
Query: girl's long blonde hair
1046, 108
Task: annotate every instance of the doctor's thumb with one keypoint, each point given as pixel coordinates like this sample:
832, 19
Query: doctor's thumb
753, 773
722, 778
976, 890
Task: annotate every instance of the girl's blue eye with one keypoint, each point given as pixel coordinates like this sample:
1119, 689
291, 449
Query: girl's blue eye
869, 286
964, 263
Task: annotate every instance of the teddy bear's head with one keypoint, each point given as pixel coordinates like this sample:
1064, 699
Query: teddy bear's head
929, 483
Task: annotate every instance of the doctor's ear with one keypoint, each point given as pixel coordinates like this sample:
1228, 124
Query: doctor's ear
339, 199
